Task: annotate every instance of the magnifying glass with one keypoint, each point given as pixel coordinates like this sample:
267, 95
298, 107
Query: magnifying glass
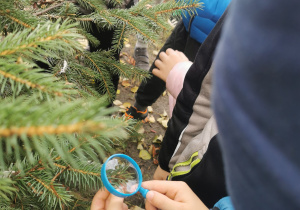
122, 176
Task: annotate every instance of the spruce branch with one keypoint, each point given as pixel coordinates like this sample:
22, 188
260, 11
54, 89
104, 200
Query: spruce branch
6, 14
6, 188
52, 7
107, 85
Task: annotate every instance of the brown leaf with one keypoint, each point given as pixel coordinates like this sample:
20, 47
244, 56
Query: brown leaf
126, 83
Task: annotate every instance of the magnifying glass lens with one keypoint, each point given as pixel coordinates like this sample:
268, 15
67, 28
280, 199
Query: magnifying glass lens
122, 175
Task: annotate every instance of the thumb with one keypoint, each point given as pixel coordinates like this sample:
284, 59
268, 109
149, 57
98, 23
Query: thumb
161, 201
114, 203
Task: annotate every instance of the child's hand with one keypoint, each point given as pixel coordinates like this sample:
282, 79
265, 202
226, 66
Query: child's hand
160, 174
167, 60
103, 200
171, 195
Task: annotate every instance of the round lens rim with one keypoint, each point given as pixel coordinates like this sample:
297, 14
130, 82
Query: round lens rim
109, 187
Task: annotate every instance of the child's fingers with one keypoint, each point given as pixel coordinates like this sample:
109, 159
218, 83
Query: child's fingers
149, 206
162, 56
158, 63
115, 203
169, 51
161, 201
99, 199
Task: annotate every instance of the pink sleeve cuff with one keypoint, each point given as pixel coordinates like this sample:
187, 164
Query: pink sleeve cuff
176, 77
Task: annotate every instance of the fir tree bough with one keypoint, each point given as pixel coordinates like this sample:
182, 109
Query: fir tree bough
55, 126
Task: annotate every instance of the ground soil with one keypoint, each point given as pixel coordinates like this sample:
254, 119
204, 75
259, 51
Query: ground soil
151, 130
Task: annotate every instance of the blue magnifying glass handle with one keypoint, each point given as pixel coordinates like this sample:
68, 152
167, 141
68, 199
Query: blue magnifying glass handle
143, 191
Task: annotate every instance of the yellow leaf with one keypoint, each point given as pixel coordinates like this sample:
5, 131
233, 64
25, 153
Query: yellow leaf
117, 102
127, 104
126, 40
160, 119
164, 93
165, 123
160, 137
118, 92
157, 139
134, 89
144, 154
164, 114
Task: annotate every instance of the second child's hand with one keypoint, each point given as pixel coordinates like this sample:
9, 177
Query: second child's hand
167, 60
171, 195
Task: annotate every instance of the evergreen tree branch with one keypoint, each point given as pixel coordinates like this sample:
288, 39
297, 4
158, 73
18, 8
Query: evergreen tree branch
29, 84
5, 13
107, 86
6, 188
52, 7
77, 170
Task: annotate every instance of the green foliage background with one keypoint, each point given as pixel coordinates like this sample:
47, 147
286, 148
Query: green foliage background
55, 126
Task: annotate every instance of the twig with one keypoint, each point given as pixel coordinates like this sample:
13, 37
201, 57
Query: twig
52, 7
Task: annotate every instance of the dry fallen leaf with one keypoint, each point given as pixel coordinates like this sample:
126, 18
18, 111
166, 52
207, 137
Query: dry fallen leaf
126, 83
127, 45
157, 139
150, 109
118, 92
122, 107
122, 110
141, 130
155, 52
127, 104
165, 123
151, 119
117, 102
164, 114
144, 154
134, 89
160, 119
140, 146
164, 93
150, 149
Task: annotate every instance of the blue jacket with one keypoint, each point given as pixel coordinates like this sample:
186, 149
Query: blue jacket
200, 25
